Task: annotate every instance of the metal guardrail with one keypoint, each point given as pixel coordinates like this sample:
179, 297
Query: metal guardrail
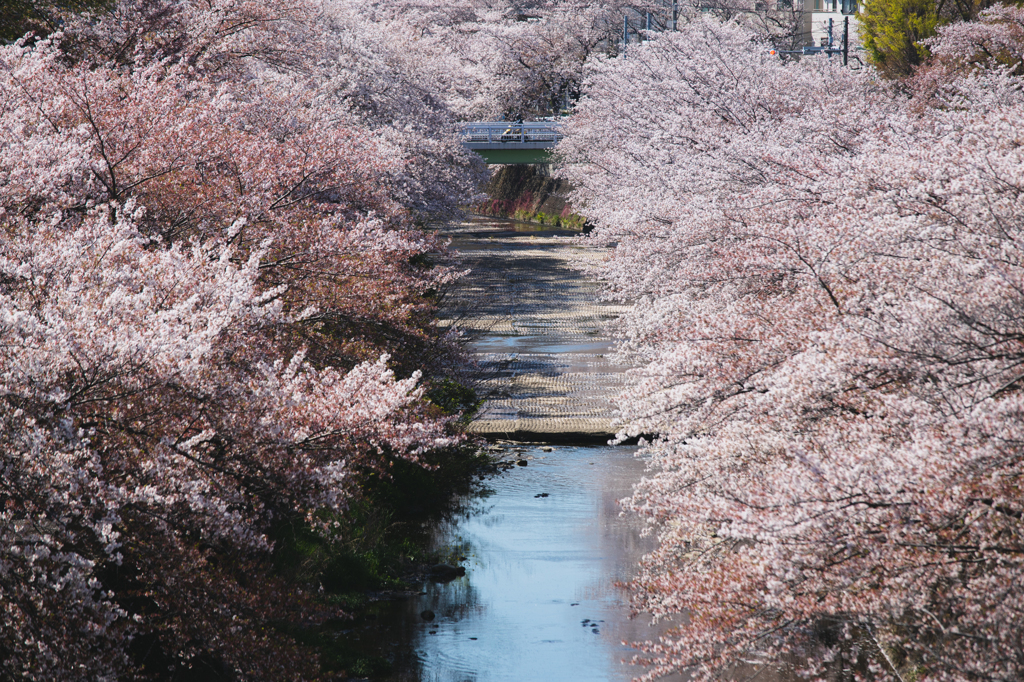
491, 132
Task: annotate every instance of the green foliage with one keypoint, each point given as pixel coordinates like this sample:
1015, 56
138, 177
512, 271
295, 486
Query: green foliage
573, 221
375, 545
380, 537
339, 654
416, 493
452, 398
894, 30
421, 260
355, 556
546, 219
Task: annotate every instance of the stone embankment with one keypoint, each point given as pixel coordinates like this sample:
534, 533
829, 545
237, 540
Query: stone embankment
525, 189
536, 331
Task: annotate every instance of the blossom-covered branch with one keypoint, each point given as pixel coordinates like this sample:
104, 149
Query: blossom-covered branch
828, 338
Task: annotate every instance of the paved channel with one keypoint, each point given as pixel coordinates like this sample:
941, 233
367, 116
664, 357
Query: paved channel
544, 546
536, 330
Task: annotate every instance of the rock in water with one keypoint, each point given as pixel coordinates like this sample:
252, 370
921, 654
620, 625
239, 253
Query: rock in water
443, 573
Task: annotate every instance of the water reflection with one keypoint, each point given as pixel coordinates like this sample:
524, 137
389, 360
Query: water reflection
544, 553
539, 600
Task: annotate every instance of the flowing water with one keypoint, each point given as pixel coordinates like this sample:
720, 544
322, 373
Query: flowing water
536, 327
546, 548
544, 552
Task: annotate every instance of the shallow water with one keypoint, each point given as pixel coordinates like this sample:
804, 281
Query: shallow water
546, 549
535, 325
539, 344
539, 600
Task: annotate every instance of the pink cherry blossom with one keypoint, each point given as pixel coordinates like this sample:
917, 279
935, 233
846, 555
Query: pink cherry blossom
828, 279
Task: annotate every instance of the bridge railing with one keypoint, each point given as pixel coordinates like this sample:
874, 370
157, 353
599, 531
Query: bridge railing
490, 132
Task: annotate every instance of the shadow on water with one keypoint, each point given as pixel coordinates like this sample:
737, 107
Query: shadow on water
544, 553
538, 344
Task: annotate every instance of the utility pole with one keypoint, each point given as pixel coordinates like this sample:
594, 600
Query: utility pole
846, 40
625, 33
675, 16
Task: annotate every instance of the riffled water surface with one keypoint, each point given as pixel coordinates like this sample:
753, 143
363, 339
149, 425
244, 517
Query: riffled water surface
546, 549
539, 601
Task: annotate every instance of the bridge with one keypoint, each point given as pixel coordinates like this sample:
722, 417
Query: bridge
512, 143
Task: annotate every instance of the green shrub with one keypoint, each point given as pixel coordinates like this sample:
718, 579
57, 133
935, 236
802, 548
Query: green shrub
452, 398
573, 221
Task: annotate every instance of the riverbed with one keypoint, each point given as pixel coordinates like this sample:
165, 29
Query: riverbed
545, 547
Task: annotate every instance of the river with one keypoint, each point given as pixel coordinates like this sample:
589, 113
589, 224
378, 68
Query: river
544, 552
545, 547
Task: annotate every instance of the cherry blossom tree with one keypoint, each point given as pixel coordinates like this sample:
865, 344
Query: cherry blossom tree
145, 412
488, 58
828, 279
209, 278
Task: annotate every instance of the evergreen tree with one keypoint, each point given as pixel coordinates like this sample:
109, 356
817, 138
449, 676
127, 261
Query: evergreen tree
895, 30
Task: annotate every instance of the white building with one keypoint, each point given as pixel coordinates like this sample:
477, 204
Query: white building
817, 14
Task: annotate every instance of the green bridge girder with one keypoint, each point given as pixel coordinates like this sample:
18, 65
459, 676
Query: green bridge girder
515, 156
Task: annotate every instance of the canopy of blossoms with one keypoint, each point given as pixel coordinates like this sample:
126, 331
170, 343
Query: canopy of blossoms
210, 274
829, 284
